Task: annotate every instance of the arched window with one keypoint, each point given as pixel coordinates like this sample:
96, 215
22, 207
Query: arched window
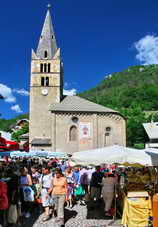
41, 68
73, 133
45, 67
42, 81
49, 67
45, 54
47, 81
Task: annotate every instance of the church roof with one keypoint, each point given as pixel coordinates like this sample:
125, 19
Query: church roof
78, 104
47, 40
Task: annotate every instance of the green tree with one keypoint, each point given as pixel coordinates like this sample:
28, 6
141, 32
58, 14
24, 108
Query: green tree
135, 131
23, 130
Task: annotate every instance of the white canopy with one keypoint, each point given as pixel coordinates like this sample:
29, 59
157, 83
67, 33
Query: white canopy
115, 154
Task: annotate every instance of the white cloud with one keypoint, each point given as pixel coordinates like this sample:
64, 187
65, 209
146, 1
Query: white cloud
147, 49
6, 92
16, 108
70, 92
22, 92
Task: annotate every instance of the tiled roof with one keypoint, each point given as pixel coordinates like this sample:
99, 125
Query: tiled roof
41, 141
78, 104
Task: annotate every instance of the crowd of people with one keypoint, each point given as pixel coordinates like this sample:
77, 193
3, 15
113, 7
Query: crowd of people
50, 185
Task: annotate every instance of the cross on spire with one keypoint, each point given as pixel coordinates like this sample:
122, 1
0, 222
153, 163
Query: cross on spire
49, 6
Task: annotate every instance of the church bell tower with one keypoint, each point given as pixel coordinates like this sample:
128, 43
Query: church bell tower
46, 86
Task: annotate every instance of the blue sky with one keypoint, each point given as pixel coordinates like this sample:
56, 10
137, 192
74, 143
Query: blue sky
96, 39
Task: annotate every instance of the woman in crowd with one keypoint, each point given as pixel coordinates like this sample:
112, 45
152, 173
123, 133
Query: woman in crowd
59, 192
46, 185
34, 172
25, 180
108, 187
70, 187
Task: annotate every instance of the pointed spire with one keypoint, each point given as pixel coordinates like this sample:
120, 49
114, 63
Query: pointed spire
47, 46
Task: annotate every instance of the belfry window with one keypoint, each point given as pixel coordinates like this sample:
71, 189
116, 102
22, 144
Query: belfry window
41, 68
42, 81
47, 81
73, 133
45, 54
49, 67
45, 67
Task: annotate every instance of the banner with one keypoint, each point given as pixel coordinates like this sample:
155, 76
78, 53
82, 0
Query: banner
85, 130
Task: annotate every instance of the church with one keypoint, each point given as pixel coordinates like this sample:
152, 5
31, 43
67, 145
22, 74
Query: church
65, 123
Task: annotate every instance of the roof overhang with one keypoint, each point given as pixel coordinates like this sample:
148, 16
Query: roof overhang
41, 142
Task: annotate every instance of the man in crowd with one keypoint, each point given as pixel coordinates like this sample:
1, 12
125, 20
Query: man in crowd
95, 184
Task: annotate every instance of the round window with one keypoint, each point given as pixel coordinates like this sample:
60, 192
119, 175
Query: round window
108, 129
74, 119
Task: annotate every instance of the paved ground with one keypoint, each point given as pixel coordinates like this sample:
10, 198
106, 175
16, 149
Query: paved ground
78, 216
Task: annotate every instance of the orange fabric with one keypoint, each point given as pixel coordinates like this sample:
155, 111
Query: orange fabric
59, 186
155, 209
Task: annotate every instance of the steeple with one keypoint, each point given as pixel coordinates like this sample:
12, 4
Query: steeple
47, 46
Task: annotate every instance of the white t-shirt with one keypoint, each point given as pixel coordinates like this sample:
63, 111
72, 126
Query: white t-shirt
46, 180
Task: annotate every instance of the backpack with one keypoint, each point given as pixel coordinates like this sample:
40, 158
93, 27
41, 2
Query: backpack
3, 196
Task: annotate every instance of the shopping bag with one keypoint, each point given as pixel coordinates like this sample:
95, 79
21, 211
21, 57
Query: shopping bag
12, 214
28, 194
79, 191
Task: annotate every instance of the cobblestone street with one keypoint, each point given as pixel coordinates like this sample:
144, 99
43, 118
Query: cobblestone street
78, 216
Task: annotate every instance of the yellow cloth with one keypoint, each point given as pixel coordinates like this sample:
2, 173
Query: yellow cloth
136, 212
146, 179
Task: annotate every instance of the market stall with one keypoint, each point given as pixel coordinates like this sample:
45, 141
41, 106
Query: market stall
141, 185
137, 209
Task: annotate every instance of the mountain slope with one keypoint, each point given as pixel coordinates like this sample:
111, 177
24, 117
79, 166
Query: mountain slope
135, 86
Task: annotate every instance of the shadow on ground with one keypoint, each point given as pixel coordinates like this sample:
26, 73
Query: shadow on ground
95, 210
69, 214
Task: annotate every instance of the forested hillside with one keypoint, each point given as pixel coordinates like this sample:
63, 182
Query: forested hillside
135, 86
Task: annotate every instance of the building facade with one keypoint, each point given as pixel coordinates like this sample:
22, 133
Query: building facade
65, 123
